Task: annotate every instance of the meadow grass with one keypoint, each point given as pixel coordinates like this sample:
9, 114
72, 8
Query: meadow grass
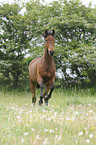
70, 118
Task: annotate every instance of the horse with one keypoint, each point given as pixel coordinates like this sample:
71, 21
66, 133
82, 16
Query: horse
42, 70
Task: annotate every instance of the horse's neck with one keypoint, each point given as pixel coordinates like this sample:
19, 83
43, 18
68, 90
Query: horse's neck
47, 58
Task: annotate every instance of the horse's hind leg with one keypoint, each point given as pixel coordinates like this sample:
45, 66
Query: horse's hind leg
41, 96
33, 89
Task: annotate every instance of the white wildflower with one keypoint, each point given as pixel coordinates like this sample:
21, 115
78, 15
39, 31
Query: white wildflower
27, 113
81, 117
56, 128
21, 109
38, 137
89, 104
67, 118
32, 129
80, 105
30, 116
90, 111
49, 119
91, 135
43, 116
20, 112
51, 131
22, 139
58, 137
13, 108
87, 140
30, 111
55, 113
45, 130
95, 118
76, 113
44, 110
80, 133
91, 118
45, 141
62, 112
19, 118
53, 117
26, 133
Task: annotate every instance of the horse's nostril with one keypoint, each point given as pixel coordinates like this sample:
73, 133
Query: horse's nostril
52, 53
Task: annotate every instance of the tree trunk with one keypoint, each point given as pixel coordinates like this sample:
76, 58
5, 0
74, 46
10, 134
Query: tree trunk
15, 80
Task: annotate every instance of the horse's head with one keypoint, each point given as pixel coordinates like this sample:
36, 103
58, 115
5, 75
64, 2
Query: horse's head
49, 42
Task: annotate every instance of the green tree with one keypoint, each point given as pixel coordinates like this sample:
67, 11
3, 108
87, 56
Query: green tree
14, 40
75, 36
75, 49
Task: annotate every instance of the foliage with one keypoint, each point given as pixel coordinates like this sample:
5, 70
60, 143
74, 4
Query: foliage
14, 41
75, 49
75, 37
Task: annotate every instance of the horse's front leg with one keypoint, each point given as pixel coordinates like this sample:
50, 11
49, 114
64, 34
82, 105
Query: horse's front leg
46, 92
47, 97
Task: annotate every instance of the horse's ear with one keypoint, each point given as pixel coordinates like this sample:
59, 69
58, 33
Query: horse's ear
46, 31
53, 32
45, 34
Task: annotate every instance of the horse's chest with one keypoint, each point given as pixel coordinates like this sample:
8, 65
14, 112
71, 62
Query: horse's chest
48, 74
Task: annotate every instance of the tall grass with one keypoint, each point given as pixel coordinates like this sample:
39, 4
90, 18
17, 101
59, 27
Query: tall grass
69, 119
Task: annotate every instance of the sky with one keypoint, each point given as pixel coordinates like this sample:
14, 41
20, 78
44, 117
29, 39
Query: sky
85, 2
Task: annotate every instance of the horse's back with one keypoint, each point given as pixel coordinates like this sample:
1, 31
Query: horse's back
33, 69
34, 62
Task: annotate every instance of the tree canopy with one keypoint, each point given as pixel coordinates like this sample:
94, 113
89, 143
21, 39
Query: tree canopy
75, 48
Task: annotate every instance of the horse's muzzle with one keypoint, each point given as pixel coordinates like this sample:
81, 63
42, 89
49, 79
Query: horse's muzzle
51, 53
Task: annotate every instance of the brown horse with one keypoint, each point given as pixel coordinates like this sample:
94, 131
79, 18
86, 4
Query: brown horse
42, 70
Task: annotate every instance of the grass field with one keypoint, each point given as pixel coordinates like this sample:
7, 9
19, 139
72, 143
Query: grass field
70, 119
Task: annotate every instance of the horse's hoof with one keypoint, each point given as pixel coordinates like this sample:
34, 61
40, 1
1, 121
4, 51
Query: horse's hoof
33, 104
46, 102
40, 102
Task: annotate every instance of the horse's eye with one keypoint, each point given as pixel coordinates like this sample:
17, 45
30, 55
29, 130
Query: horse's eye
46, 40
